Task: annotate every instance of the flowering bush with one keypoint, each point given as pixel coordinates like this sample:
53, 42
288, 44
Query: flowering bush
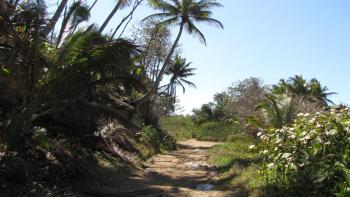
312, 156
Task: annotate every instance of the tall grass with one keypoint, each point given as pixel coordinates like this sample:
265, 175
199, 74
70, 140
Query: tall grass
184, 127
180, 127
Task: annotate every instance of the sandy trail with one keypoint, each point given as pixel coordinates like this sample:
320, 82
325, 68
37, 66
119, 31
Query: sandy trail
180, 173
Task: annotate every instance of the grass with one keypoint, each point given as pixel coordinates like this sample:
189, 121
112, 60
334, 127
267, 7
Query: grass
180, 127
216, 131
183, 127
238, 167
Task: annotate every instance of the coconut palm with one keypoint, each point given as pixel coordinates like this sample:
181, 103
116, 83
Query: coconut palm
298, 87
178, 71
120, 4
52, 22
278, 112
205, 113
77, 13
184, 14
319, 93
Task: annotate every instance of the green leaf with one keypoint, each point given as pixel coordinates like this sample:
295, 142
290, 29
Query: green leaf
4, 71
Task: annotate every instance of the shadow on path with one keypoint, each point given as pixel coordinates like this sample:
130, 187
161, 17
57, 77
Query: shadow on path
179, 173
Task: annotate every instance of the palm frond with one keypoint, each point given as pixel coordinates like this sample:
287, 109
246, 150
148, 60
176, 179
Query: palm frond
210, 21
193, 30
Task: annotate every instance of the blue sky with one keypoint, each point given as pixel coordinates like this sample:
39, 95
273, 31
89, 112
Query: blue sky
270, 39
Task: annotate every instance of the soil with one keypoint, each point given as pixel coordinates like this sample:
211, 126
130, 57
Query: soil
184, 172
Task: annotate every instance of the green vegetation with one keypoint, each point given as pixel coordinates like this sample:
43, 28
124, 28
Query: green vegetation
79, 108
217, 131
239, 168
184, 14
312, 156
180, 127
185, 127
301, 145
84, 102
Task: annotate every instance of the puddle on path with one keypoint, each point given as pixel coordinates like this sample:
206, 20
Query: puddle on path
205, 187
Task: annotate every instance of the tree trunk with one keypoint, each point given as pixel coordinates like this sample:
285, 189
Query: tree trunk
64, 25
92, 6
110, 16
54, 19
154, 88
136, 4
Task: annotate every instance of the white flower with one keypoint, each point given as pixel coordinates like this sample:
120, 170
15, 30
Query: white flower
278, 140
263, 137
259, 134
286, 155
307, 137
318, 139
313, 131
306, 114
293, 166
265, 151
347, 129
270, 165
46, 69
333, 111
332, 132
251, 147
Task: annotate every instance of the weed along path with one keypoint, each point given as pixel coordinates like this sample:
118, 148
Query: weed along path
184, 172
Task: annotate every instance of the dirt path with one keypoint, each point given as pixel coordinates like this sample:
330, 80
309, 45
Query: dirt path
180, 173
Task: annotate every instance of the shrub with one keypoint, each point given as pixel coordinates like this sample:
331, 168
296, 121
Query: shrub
159, 139
312, 157
41, 137
17, 128
151, 135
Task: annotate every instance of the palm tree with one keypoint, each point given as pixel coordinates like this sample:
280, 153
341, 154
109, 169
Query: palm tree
120, 4
51, 24
77, 13
184, 14
319, 93
179, 71
298, 87
278, 112
205, 113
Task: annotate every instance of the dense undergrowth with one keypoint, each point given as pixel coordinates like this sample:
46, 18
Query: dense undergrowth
311, 157
62, 164
60, 169
74, 100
